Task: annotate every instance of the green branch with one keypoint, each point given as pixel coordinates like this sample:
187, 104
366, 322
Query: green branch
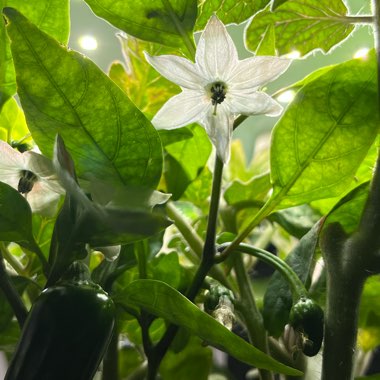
297, 286
11, 294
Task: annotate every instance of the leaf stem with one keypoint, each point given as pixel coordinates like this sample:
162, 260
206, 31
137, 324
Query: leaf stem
360, 19
188, 41
259, 216
13, 262
251, 315
187, 231
298, 288
11, 294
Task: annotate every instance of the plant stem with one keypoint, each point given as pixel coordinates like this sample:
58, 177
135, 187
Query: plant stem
11, 294
251, 315
341, 323
207, 261
194, 241
349, 261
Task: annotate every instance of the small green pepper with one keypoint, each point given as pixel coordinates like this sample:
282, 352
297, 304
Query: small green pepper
66, 333
306, 317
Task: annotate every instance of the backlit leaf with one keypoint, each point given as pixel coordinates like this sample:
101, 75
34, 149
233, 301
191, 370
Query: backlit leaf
228, 11
63, 92
302, 26
327, 129
168, 22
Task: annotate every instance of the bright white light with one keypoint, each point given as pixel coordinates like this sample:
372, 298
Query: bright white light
88, 42
286, 96
293, 54
361, 53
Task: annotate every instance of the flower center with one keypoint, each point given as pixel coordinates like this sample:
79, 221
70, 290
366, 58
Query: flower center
218, 92
26, 182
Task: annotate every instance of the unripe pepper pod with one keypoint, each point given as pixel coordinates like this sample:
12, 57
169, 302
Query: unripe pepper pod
66, 333
306, 317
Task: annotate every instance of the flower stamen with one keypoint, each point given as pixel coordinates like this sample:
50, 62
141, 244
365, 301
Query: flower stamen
26, 182
218, 93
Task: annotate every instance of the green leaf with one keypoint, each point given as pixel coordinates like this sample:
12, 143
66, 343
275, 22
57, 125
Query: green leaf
108, 270
348, 211
7, 71
166, 268
228, 11
168, 22
43, 230
250, 194
57, 24
278, 297
97, 224
302, 26
297, 221
369, 315
12, 122
10, 337
51, 16
267, 45
83, 221
130, 359
198, 192
140, 81
63, 92
193, 362
369, 377
277, 3
160, 299
187, 160
363, 174
15, 218
327, 129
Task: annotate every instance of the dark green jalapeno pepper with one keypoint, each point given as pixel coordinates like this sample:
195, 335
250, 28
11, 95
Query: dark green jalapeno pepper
306, 317
66, 333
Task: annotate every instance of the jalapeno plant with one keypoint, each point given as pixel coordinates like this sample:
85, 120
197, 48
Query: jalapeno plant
133, 219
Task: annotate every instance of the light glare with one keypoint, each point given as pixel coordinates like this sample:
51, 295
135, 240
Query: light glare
293, 54
361, 53
286, 96
88, 43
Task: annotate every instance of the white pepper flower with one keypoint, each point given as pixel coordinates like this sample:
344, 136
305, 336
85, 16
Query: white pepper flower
32, 175
217, 87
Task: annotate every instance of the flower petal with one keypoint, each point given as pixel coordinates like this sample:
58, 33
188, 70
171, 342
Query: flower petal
42, 199
216, 53
254, 103
44, 169
9, 157
219, 129
182, 109
177, 69
254, 72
